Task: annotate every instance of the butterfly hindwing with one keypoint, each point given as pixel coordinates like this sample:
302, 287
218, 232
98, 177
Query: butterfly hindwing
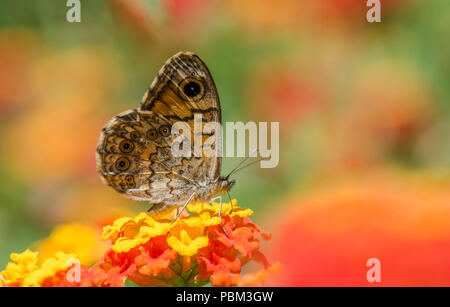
132, 156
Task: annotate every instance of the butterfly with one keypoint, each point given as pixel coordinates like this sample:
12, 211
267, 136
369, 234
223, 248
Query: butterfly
134, 154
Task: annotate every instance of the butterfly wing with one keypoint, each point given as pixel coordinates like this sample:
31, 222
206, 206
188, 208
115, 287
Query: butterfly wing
184, 87
134, 150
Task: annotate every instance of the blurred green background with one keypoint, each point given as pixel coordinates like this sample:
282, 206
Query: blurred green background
352, 97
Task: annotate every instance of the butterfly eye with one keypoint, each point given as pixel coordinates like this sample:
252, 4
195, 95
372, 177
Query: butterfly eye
164, 130
129, 180
152, 134
122, 164
126, 146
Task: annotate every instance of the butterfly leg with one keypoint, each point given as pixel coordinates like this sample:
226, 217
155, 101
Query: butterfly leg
220, 213
231, 204
182, 209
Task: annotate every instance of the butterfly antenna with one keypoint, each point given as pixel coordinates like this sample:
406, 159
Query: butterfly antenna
236, 167
245, 166
240, 163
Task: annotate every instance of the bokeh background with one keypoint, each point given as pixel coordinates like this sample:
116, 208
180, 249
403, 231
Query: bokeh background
364, 112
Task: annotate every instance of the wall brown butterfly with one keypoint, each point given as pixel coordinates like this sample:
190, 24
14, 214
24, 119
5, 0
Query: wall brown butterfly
134, 154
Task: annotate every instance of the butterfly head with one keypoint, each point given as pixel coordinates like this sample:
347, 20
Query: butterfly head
225, 185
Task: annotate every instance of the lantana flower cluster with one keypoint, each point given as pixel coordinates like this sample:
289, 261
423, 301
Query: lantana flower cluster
151, 250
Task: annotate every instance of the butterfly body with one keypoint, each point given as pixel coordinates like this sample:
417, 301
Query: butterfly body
134, 152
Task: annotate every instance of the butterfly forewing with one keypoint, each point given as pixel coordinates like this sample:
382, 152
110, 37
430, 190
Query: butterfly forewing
184, 87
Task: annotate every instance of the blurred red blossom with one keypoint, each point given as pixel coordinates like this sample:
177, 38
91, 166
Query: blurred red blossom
185, 10
381, 120
187, 19
281, 93
325, 239
269, 15
18, 49
135, 15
